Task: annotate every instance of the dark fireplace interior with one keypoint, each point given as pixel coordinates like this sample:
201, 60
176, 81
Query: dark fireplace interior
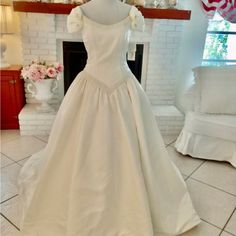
75, 57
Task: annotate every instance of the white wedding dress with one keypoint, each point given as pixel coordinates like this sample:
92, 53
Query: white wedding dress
105, 170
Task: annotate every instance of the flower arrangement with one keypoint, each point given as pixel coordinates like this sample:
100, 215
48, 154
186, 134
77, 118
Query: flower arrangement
38, 71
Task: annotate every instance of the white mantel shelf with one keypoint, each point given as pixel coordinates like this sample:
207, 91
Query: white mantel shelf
60, 8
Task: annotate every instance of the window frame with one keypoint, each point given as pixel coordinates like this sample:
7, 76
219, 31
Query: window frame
212, 61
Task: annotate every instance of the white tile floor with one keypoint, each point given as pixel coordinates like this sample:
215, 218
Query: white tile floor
212, 185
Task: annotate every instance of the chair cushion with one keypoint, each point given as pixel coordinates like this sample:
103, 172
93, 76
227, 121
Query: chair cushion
220, 126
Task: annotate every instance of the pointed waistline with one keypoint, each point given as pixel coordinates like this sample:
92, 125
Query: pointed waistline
108, 87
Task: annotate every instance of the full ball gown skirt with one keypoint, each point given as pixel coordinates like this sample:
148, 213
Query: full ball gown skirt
105, 170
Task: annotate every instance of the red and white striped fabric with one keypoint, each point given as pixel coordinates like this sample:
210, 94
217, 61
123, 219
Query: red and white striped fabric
226, 8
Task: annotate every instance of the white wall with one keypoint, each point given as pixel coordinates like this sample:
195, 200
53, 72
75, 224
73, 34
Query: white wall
162, 63
191, 48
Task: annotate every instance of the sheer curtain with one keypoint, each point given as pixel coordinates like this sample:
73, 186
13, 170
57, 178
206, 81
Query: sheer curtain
226, 8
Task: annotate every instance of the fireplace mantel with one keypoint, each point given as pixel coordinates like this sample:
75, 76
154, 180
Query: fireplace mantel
60, 8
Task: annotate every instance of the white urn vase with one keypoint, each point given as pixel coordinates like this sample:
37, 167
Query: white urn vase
43, 92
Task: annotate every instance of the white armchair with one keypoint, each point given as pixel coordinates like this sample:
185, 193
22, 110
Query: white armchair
209, 131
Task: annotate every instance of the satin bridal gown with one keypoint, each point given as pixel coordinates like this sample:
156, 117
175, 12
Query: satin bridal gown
105, 170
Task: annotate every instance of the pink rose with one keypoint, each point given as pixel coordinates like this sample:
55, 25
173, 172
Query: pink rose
51, 72
39, 71
34, 67
43, 71
59, 67
24, 72
33, 74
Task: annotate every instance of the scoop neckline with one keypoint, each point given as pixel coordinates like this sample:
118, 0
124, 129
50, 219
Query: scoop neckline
107, 25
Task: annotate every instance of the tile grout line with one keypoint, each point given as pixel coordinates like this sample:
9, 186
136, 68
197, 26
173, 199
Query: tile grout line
40, 139
8, 158
9, 221
196, 169
170, 143
189, 176
211, 224
228, 232
2, 143
222, 231
229, 219
217, 227
200, 181
14, 162
8, 199
23, 159
7, 165
173, 142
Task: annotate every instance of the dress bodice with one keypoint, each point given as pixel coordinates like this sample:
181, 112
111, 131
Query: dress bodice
106, 45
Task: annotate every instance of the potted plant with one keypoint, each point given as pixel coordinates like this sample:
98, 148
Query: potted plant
43, 78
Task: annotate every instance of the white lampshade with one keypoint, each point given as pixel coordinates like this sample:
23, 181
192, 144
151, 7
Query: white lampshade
7, 27
6, 19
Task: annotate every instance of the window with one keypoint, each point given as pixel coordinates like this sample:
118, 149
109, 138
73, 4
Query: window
220, 44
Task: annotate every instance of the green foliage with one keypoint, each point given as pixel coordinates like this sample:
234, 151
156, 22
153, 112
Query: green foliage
216, 44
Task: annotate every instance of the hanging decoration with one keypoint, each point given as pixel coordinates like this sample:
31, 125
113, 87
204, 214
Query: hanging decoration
226, 8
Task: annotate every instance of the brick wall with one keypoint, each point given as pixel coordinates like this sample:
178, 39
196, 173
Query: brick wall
42, 33
163, 54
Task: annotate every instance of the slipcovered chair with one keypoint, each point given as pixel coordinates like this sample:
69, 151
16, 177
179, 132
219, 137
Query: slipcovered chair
209, 131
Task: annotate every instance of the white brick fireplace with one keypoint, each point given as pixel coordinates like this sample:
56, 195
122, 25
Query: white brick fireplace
42, 36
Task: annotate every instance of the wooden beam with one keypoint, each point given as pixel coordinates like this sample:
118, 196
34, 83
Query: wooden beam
60, 8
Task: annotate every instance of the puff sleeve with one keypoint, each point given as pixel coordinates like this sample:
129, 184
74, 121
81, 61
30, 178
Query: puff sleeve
137, 20
74, 20
137, 24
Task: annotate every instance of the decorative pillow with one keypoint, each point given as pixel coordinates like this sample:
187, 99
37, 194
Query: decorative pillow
216, 89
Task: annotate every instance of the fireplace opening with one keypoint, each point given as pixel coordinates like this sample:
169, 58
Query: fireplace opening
75, 57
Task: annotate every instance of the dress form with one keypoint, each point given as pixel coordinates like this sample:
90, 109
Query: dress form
105, 152
106, 11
